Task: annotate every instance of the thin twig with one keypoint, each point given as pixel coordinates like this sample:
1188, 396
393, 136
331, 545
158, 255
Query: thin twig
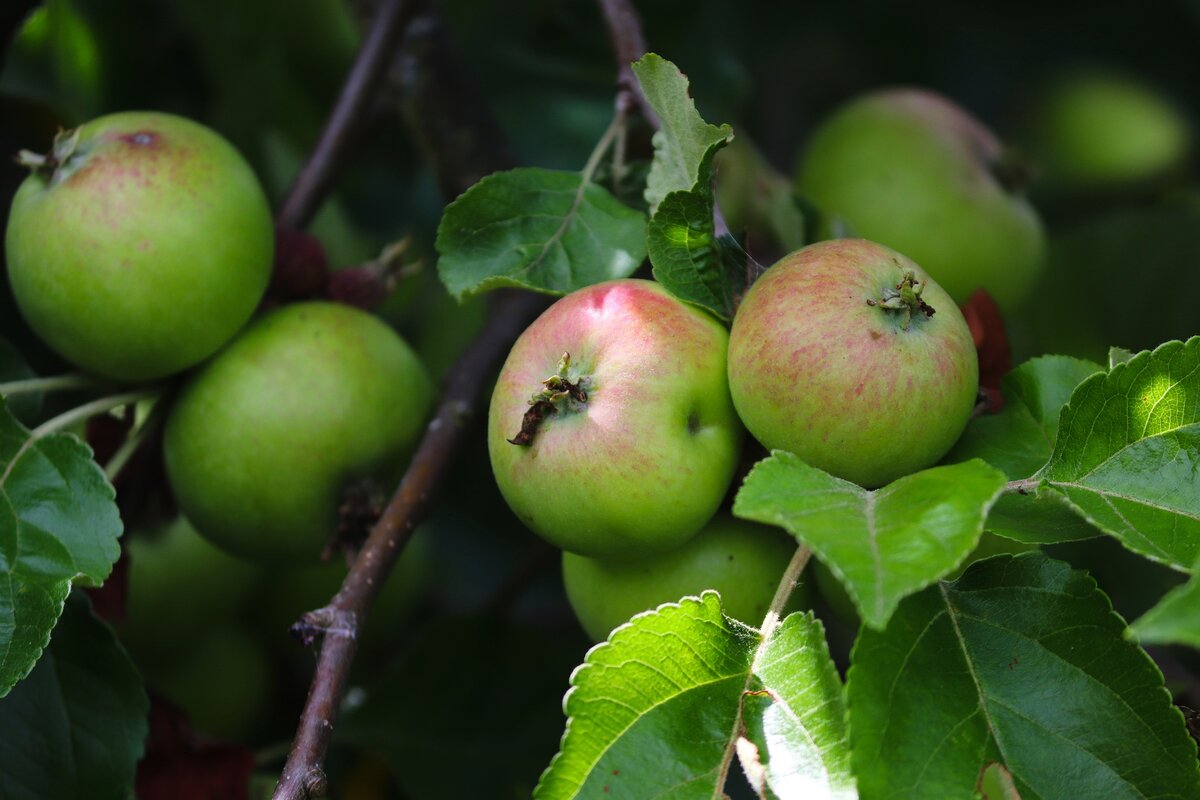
453, 126
74, 380
89, 410
340, 619
158, 415
312, 184
628, 44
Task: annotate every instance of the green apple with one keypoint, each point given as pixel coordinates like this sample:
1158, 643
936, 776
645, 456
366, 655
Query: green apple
618, 393
911, 170
140, 245
847, 354
263, 441
179, 587
741, 560
223, 681
1094, 128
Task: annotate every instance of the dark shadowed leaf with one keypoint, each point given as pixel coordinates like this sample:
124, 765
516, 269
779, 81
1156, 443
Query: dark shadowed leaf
81, 717
1021, 661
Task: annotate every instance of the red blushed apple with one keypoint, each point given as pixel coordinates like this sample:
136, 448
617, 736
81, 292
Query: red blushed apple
626, 437
848, 355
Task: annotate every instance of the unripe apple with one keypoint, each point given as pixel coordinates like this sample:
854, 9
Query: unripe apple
911, 170
1092, 129
741, 560
626, 436
264, 440
847, 354
180, 587
140, 245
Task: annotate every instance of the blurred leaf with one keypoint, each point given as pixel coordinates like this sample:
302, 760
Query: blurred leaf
1020, 438
1020, 661
458, 670
76, 726
13, 368
795, 718
1119, 355
686, 666
58, 522
56, 59
539, 229
882, 544
1128, 453
1174, 620
685, 144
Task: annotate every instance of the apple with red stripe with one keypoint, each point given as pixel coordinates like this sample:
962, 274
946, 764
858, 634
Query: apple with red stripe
611, 430
847, 354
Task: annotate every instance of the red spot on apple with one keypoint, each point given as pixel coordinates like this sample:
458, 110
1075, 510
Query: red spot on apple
142, 138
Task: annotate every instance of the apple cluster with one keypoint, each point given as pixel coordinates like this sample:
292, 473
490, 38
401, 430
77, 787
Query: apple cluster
140, 248
616, 424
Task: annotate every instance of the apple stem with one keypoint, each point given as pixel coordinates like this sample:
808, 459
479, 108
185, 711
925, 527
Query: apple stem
74, 380
791, 577
558, 388
905, 297
89, 410
1012, 170
112, 470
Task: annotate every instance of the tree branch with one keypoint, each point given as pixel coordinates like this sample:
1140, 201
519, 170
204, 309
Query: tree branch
449, 117
629, 44
312, 185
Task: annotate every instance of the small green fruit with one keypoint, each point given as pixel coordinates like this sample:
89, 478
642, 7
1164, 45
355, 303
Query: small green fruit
911, 170
264, 440
140, 246
741, 560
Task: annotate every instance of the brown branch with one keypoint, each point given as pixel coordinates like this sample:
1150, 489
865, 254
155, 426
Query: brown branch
312, 185
339, 621
462, 141
628, 44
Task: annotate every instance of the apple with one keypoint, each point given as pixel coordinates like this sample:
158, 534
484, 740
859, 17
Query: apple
264, 440
139, 246
742, 560
1093, 128
847, 354
911, 170
224, 681
611, 432
179, 587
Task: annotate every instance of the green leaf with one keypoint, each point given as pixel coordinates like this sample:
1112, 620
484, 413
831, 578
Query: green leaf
1020, 661
795, 742
1019, 441
58, 522
1128, 453
882, 544
1021, 437
684, 144
1175, 619
687, 667
13, 368
540, 229
76, 726
1037, 519
689, 259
